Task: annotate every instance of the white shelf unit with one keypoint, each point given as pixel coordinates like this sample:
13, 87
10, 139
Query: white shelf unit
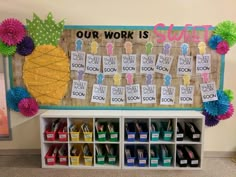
79, 117
122, 117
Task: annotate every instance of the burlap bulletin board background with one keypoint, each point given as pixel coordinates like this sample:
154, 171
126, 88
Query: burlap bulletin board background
67, 42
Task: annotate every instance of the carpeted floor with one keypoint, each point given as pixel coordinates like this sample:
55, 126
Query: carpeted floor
30, 166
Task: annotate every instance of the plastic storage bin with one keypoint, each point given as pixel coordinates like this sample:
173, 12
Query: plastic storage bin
181, 158
88, 136
50, 136
75, 160
111, 159
50, 157
113, 136
131, 136
192, 156
100, 159
165, 132
180, 132
62, 136
74, 136
101, 136
154, 161
155, 135
142, 162
88, 160
192, 131
143, 136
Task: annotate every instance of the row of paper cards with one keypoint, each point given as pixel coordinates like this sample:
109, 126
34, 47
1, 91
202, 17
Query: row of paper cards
148, 63
146, 95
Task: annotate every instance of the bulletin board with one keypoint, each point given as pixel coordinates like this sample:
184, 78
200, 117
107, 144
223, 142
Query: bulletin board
138, 36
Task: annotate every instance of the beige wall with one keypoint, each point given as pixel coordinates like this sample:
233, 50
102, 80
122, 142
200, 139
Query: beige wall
127, 12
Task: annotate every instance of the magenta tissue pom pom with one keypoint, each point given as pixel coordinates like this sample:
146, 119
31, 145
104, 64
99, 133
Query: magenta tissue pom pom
28, 107
228, 114
12, 31
222, 47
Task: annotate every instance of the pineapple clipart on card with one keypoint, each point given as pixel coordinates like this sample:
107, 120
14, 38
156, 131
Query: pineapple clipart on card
46, 72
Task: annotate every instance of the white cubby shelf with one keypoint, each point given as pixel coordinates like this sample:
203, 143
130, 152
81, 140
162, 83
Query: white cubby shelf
132, 149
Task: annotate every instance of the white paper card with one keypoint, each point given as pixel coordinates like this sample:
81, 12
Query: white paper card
149, 94
203, 63
163, 63
93, 63
167, 95
133, 93
184, 65
186, 94
109, 65
147, 64
77, 60
128, 63
117, 95
99, 93
208, 91
79, 89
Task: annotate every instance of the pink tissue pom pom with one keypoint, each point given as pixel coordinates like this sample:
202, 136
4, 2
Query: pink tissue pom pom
28, 107
12, 31
228, 114
222, 47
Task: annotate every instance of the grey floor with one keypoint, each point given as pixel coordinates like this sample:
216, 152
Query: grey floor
30, 166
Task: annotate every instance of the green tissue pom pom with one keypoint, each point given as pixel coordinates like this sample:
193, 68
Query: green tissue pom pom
230, 94
227, 30
7, 50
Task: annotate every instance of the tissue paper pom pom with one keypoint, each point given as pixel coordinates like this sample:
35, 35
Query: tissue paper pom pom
222, 48
25, 47
28, 107
230, 94
227, 30
210, 120
12, 31
228, 114
7, 50
14, 96
219, 106
214, 41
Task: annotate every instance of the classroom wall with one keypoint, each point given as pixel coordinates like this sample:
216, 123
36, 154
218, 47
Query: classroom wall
127, 12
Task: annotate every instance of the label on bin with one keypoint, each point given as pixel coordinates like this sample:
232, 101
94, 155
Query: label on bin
181, 135
87, 136
130, 160
111, 159
155, 135
101, 135
50, 135
168, 135
196, 136
88, 160
131, 136
63, 159
114, 135
167, 161
142, 161
194, 162
143, 136
62, 136
154, 161
183, 161
50, 160
100, 159
74, 135
73, 159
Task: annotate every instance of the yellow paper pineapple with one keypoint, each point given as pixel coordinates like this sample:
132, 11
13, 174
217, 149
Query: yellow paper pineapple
46, 71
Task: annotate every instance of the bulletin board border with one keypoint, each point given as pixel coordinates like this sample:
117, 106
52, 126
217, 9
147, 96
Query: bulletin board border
105, 27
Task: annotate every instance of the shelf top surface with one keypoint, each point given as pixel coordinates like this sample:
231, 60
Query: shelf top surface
115, 113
